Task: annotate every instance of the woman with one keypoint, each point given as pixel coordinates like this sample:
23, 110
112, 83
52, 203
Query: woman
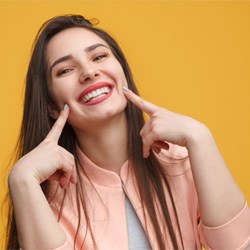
92, 174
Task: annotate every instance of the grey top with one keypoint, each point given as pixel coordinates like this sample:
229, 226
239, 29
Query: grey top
136, 234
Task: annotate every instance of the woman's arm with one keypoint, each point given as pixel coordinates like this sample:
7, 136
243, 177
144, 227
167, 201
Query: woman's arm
220, 199
36, 224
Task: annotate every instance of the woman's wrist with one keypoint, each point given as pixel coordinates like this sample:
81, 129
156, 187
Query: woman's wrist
199, 137
19, 177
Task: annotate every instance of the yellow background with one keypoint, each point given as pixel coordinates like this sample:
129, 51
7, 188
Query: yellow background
192, 57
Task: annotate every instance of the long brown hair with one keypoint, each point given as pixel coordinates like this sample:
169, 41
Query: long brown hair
37, 123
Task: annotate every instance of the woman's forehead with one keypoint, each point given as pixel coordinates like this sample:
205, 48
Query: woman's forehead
71, 39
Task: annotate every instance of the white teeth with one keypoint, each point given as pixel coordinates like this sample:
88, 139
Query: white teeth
98, 91
95, 94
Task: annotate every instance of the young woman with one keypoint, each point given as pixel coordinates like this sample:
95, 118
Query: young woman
92, 175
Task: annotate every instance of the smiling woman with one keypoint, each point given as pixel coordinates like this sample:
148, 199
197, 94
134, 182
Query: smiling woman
92, 174
80, 63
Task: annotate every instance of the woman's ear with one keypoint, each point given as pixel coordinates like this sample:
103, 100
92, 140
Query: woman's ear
53, 112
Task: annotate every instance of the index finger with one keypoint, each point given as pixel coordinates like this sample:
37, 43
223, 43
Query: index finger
141, 103
58, 126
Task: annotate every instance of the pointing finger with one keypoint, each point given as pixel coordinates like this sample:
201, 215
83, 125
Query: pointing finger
141, 103
58, 126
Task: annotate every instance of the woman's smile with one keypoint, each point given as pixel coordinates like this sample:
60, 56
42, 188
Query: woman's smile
96, 93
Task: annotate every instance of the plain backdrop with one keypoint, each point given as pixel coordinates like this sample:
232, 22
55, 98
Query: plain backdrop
192, 57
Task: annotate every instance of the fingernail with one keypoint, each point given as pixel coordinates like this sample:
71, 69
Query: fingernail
125, 88
65, 106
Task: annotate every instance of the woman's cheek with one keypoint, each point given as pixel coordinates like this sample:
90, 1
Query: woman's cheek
62, 94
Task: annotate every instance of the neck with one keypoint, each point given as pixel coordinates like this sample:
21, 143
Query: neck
105, 143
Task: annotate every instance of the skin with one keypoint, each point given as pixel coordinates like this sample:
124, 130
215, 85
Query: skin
106, 143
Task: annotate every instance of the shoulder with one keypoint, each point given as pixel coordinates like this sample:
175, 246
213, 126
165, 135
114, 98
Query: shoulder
175, 160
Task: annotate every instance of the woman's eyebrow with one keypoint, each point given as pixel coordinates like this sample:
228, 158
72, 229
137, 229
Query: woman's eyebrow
68, 57
94, 46
59, 60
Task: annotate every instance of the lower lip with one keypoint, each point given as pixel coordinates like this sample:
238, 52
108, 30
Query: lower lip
99, 100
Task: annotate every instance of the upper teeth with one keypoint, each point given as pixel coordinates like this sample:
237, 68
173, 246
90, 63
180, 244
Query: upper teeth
95, 93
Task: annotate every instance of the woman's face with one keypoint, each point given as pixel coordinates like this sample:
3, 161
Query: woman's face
85, 74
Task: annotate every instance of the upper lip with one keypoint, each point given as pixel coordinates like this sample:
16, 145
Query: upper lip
94, 87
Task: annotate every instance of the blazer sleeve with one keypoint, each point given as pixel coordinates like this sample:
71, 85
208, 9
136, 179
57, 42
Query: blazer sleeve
233, 235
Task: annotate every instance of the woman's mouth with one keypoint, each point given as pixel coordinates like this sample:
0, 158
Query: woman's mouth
95, 93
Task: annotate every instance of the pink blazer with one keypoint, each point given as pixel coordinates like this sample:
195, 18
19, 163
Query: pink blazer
106, 208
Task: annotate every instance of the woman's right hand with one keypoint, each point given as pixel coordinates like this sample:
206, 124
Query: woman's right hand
49, 160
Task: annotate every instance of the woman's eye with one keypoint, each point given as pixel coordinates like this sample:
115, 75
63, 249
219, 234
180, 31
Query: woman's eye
99, 57
64, 71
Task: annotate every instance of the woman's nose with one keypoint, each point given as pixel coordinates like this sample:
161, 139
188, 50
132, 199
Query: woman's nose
89, 75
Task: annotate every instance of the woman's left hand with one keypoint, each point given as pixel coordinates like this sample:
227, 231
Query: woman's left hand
164, 126
220, 199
